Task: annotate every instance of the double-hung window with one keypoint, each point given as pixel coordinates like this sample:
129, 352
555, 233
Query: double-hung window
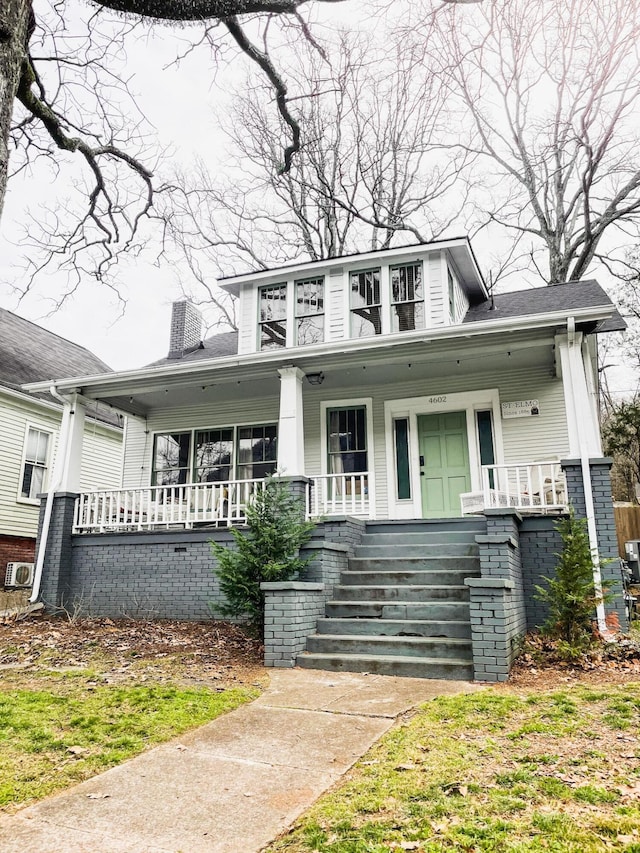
257, 451
366, 308
309, 311
273, 316
347, 440
407, 298
36, 457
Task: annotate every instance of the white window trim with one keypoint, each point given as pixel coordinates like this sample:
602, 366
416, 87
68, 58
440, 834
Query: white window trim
50, 457
367, 403
411, 408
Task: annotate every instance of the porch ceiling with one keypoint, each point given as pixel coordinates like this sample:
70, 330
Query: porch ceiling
342, 370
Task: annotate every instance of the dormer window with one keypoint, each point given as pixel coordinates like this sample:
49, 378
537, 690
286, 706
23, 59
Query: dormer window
407, 298
366, 312
309, 311
273, 317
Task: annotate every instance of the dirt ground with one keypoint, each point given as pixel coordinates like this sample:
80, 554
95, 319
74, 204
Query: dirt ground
219, 654
208, 653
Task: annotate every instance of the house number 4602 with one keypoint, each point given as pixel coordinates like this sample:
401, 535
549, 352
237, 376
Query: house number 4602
442, 399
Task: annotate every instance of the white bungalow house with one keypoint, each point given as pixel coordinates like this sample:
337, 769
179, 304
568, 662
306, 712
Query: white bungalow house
30, 425
389, 386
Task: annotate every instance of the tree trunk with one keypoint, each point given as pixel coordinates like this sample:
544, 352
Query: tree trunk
14, 26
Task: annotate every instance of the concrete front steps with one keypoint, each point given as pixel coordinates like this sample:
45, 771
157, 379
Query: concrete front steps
402, 607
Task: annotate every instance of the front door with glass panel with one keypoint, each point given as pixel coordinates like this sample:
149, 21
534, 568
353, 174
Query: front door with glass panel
444, 463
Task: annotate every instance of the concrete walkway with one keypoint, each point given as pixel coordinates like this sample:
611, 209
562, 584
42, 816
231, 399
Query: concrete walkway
232, 785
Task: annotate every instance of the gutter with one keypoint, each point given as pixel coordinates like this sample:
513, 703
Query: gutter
575, 353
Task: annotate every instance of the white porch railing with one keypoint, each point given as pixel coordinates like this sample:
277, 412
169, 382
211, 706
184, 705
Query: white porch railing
163, 506
531, 487
339, 494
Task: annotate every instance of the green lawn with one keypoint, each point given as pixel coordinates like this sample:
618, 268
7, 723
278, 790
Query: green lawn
60, 728
497, 770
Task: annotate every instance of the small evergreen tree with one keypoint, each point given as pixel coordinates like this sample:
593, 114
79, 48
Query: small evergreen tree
269, 551
571, 595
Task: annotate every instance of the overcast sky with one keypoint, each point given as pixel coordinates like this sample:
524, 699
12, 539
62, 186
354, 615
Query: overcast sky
172, 100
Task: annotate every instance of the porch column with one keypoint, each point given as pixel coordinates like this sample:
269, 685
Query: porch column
582, 420
66, 473
290, 423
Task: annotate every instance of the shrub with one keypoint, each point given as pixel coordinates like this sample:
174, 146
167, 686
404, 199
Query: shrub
571, 595
268, 551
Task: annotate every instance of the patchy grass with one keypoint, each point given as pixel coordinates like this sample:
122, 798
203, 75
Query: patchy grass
497, 771
75, 701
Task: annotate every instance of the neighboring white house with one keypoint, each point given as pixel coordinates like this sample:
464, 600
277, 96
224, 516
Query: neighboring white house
30, 429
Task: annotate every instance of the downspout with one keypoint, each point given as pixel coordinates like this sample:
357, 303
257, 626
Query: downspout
48, 509
586, 480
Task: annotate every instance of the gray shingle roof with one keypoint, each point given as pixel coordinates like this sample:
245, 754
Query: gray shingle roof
540, 300
519, 303
29, 353
217, 346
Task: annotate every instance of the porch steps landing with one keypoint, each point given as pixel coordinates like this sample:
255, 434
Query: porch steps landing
402, 607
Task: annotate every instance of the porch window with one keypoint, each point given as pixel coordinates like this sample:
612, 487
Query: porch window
257, 451
214, 455
273, 317
366, 310
171, 459
34, 470
407, 298
309, 311
401, 436
347, 440
485, 440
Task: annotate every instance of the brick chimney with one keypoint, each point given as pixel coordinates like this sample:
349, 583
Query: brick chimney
186, 329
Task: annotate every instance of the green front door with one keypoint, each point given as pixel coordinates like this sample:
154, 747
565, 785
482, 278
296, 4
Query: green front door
444, 463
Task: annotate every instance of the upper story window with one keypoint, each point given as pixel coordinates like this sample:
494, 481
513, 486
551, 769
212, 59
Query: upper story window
366, 309
36, 456
407, 298
309, 311
452, 294
273, 316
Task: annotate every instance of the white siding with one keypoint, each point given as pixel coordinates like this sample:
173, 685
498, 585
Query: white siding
101, 458
101, 466
337, 305
434, 294
248, 320
460, 302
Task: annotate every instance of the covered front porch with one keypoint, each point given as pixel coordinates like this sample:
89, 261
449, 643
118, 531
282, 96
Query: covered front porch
407, 429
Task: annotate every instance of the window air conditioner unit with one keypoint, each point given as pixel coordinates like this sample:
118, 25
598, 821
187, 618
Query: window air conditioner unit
19, 574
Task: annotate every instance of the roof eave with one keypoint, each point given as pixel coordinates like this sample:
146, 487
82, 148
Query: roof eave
117, 383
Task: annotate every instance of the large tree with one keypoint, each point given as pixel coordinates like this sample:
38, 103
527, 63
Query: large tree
372, 170
38, 80
548, 94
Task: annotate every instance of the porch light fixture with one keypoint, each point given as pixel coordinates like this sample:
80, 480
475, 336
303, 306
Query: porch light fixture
315, 378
